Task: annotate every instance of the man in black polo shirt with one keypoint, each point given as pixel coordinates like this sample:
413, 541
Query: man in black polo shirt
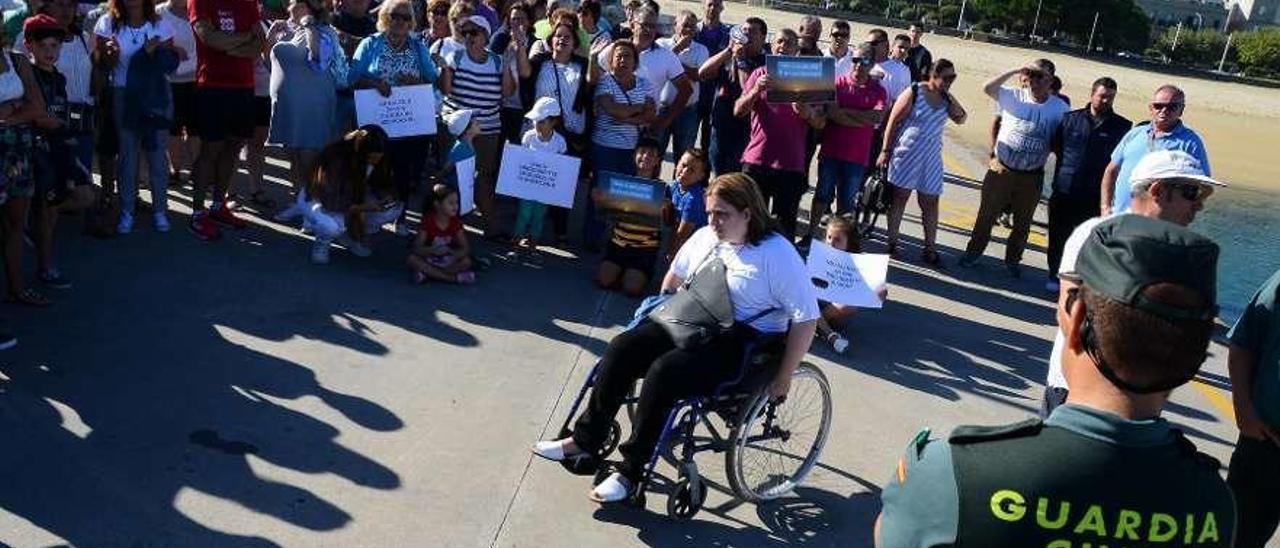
1083, 145
1103, 469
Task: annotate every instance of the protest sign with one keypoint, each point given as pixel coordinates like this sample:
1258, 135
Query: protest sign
466, 170
634, 199
547, 178
801, 79
409, 111
847, 278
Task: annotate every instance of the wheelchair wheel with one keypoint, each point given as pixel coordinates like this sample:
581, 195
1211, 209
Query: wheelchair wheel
611, 441
775, 445
687, 498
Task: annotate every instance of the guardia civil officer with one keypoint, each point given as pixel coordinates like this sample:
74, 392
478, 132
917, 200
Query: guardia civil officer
1104, 469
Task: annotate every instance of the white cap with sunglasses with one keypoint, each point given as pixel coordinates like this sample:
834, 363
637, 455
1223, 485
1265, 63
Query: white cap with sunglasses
1161, 165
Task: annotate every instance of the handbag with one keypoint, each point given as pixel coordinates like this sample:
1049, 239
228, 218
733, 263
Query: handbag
700, 311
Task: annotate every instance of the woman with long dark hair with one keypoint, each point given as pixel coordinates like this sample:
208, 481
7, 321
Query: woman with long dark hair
774, 307
350, 194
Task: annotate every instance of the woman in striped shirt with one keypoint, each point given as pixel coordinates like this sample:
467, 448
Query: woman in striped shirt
474, 79
623, 106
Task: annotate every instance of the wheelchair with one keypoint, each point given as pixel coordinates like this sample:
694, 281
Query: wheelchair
770, 446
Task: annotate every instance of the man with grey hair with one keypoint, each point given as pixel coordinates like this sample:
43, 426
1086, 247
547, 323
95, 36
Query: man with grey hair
1166, 185
684, 130
1028, 118
810, 30
1164, 131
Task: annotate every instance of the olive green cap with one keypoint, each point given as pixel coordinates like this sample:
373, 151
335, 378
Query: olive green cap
1127, 253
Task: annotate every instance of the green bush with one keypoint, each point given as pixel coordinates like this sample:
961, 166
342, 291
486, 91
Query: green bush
1258, 52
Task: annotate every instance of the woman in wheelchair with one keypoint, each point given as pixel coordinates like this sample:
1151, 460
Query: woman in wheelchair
774, 307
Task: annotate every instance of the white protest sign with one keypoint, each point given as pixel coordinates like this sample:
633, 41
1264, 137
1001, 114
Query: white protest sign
551, 179
847, 278
409, 111
466, 185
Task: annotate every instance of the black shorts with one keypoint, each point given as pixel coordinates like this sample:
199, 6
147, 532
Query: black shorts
184, 109
261, 111
225, 114
631, 258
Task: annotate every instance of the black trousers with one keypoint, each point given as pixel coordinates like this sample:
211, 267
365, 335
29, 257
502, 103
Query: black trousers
782, 190
1254, 477
408, 158
669, 373
1066, 212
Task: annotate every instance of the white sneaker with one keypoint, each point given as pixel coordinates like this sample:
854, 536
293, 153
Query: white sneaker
126, 223
838, 343
552, 450
356, 248
320, 252
1052, 286
613, 489
161, 221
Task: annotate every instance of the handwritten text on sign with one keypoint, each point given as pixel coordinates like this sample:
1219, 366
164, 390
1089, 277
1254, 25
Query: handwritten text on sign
410, 110
551, 179
847, 278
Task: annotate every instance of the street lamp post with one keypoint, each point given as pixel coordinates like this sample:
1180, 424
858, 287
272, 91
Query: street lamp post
960, 21
1036, 24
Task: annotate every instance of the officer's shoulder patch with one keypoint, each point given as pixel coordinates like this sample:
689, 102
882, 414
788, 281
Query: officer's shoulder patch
976, 434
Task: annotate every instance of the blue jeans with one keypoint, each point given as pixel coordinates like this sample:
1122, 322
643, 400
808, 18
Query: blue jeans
683, 133
728, 139
838, 178
131, 150
603, 158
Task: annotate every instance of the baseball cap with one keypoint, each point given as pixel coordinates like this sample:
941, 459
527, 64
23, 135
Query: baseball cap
41, 26
544, 108
1170, 164
482, 23
1127, 253
458, 120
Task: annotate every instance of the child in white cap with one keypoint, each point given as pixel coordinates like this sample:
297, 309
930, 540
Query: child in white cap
463, 126
545, 114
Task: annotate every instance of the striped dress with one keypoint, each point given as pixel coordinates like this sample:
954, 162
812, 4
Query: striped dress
916, 163
477, 86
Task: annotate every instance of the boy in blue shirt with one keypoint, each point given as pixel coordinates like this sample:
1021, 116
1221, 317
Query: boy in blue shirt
688, 207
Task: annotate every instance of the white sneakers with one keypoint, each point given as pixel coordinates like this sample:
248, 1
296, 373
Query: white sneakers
1052, 286
552, 450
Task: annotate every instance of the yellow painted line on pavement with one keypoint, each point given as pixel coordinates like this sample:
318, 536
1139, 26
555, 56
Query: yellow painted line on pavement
1217, 398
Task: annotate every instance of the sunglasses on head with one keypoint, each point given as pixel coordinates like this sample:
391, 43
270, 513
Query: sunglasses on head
402, 17
1166, 106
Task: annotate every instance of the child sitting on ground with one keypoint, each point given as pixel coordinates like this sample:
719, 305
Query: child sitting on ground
688, 207
632, 250
842, 234
543, 138
440, 250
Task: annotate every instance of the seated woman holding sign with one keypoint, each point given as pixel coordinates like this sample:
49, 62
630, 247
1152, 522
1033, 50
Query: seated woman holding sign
739, 258
842, 234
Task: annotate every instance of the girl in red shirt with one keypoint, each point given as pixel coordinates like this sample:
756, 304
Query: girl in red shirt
440, 250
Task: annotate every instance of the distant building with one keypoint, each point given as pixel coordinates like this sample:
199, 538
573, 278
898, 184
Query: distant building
1194, 14
1253, 14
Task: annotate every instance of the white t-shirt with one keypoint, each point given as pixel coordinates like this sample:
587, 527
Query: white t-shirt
131, 41
760, 277
560, 82
1070, 252
692, 57
1026, 127
658, 66
183, 37
894, 75
844, 63
555, 146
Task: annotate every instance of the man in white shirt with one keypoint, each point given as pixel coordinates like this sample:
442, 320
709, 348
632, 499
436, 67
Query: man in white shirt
658, 65
840, 47
893, 74
1028, 119
684, 129
183, 142
1161, 188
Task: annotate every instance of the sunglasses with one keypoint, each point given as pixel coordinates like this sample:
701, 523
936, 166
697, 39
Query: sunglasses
1191, 192
1166, 106
440, 13
839, 36
948, 77
877, 42
402, 17
863, 61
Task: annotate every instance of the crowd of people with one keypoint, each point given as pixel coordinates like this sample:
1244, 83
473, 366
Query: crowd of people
189, 91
